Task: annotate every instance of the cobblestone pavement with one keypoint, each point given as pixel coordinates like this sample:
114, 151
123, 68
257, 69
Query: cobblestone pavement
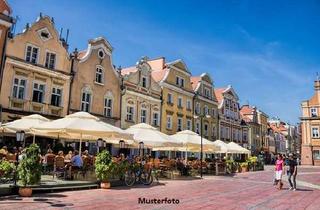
252, 190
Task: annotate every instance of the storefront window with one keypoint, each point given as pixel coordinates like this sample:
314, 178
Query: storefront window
316, 154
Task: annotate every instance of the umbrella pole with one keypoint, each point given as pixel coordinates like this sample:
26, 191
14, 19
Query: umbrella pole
34, 138
80, 143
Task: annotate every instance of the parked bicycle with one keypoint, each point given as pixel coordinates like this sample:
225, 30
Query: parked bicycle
138, 173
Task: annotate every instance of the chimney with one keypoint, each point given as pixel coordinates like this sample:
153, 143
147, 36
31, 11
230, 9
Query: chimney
317, 85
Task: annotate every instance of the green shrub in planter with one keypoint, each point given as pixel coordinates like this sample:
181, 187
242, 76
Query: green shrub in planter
104, 167
6, 168
29, 169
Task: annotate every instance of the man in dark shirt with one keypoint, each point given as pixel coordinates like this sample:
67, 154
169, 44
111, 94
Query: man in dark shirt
292, 172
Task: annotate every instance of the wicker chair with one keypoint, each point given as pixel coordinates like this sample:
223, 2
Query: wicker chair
59, 167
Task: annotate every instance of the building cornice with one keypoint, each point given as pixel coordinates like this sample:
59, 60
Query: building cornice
179, 90
150, 98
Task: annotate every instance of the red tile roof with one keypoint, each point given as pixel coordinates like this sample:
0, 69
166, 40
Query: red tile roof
195, 81
81, 53
246, 110
128, 70
158, 75
219, 93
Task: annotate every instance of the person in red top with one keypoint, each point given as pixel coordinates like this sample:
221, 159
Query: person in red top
279, 167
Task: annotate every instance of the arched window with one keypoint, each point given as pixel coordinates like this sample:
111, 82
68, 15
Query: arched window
108, 104
86, 98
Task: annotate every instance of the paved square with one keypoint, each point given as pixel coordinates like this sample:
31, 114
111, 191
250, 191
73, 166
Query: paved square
252, 190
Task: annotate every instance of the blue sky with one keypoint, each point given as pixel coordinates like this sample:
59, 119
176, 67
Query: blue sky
267, 50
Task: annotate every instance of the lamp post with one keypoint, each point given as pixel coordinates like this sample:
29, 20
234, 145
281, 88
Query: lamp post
141, 148
201, 116
99, 144
20, 137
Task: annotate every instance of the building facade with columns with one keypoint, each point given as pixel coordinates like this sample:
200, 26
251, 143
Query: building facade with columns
141, 96
205, 103
229, 115
310, 128
95, 86
36, 73
177, 94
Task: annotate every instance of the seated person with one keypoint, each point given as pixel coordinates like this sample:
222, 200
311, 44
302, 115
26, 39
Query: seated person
76, 160
60, 154
4, 151
69, 156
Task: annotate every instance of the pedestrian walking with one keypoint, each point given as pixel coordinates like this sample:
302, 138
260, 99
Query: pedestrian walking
292, 172
279, 171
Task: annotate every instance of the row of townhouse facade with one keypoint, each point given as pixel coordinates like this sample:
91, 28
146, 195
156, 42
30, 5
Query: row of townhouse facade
39, 75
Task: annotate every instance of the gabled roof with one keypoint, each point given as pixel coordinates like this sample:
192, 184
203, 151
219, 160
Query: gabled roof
246, 110
195, 81
128, 70
158, 75
219, 94
179, 64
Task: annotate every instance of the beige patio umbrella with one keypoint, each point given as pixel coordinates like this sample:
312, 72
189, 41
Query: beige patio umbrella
151, 137
239, 149
24, 124
224, 148
82, 125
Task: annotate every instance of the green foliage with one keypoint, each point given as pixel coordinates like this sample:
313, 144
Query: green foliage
244, 164
6, 168
29, 169
104, 167
253, 159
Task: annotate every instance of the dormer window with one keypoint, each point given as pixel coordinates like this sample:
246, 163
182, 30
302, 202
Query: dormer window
99, 75
207, 93
44, 34
144, 82
32, 54
50, 60
179, 81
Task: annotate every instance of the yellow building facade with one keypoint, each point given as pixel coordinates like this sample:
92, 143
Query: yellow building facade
177, 95
36, 73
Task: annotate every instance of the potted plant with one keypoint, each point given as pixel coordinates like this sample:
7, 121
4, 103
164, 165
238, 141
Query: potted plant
29, 170
6, 168
104, 168
253, 162
244, 166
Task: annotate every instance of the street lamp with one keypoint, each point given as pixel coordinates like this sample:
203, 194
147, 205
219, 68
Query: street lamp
99, 143
141, 148
20, 137
201, 148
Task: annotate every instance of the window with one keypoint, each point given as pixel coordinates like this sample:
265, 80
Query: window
56, 96
85, 101
130, 112
144, 82
189, 105
198, 128
213, 112
316, 154
189, 125
155, 120
169, 99
108, 107
315, 132
101, 53
179, 124
38, 92
198, 108
32, 54
213, 131
19, 87
206, 129
207, 93
50, 60
143, 116
314, 112
169, 122
179, 81
205, 110
227, 133
99, 75
244, 136
180, 102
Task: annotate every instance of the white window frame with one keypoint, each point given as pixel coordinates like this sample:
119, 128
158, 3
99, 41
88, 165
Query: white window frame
207, 92
180, 81
44, 91
198, 108
155, 120
169, 122
52, 94
130, 113
205, 110
170, 98
315, 134
99, 67
38, 54
86, 104
314, 112
189, 106
146, 82
107, 109
189, 124
143, 118
55, 59
179, 124
19, 86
